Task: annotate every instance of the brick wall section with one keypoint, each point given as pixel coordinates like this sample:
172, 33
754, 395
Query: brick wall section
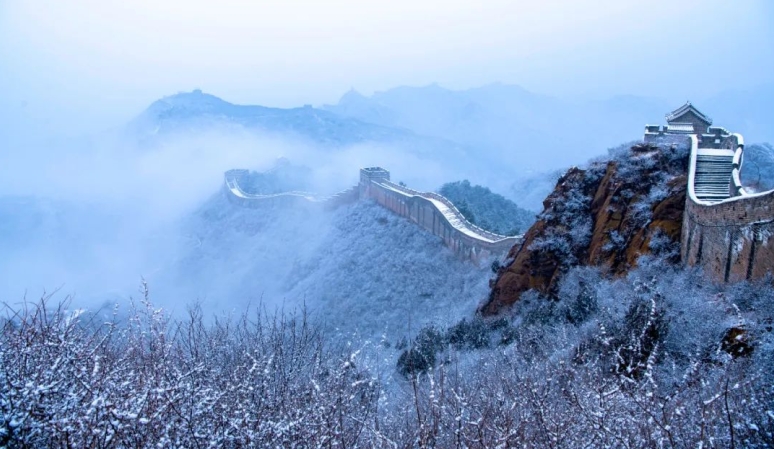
420, 210
732, 240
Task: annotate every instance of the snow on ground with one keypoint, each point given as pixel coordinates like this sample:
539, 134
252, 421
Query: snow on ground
377, 273
359, 270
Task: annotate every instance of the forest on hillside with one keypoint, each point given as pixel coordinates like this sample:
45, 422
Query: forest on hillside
758, 167
486, 209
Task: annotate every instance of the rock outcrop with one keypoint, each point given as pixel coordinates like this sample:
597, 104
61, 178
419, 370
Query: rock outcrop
608, 215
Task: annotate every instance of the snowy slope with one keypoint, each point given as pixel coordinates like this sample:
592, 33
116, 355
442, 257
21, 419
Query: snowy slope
359, 269
385, 274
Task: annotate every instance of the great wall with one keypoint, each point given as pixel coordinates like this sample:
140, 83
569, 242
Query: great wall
726, 230
429, 210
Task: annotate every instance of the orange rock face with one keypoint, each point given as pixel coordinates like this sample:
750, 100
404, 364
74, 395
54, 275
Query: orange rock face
607, 215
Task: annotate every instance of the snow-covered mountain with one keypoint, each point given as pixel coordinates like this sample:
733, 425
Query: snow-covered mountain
519, 128
541, 132
196, 110
326, 137
190, 111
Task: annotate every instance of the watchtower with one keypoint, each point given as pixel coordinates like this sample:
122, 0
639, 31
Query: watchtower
687, 119
369, 174
681, 123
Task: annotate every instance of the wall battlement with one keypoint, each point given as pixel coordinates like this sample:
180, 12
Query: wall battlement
429, 210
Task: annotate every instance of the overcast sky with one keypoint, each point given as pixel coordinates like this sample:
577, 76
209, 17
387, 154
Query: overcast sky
82, 64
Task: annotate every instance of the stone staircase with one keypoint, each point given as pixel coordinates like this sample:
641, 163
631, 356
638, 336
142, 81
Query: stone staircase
713, 175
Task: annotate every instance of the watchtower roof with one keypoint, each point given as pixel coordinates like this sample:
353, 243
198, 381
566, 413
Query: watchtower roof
675, 115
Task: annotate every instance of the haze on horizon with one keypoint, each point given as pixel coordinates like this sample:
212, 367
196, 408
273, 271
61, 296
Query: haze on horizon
82, 66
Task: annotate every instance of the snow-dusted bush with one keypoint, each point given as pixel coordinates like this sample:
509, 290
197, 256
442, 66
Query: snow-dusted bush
626, 362
664, 247
76, 380
571, 220
421, 355
507, 399
636, 157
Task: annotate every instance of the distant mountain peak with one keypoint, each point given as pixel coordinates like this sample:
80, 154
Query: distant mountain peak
352, 96
194, 102
195, 99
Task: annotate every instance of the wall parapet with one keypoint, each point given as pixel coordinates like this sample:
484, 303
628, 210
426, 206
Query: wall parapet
737, 189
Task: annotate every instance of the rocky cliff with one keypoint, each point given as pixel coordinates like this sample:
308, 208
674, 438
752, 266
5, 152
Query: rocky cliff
607, 214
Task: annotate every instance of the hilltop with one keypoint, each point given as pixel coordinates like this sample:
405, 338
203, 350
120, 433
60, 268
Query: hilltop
491, 211
608, 214
306, 135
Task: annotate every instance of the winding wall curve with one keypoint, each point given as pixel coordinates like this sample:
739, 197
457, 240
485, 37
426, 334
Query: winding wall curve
429, 210
237, 195
439, 216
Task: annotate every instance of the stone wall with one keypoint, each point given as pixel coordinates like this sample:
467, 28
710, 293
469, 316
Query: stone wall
420, 209
348, 196
264, 201
719, 138
732, 240
236, 195
657, 135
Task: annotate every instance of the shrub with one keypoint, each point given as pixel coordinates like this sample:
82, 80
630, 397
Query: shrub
72, 379
473, 334
421, 355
